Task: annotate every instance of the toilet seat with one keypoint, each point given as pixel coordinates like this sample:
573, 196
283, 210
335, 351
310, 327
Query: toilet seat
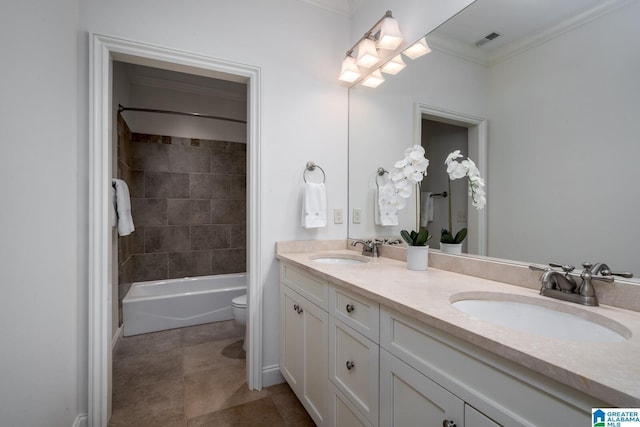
239, 302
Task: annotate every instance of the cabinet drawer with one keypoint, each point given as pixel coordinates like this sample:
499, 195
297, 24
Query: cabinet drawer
312, 288
353, 367
356, 311
506, 392
342, 413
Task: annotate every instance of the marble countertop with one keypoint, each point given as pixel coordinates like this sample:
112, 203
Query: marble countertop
606, 371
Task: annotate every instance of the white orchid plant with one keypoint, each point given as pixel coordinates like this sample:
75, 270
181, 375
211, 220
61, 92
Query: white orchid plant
456, 170
406, 174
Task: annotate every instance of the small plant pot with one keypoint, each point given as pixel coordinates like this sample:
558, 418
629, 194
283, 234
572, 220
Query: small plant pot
417, 257
451, 248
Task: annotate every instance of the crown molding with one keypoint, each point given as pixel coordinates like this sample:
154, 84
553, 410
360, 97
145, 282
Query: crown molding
341, 7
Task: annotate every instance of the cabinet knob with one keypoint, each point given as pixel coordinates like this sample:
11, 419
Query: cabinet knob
297, 308
350, 365
448, 423
350, 308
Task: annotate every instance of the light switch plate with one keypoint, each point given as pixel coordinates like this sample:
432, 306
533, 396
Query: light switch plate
357, 216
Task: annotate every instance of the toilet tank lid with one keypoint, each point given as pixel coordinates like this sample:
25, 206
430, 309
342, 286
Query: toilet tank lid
241, 300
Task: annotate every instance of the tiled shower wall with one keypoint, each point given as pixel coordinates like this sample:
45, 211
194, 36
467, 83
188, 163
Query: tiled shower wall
188, 200
125, 258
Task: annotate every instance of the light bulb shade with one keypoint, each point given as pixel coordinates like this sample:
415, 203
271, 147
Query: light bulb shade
375, 79
367, 53
390, 36
418, 49
394, 66
349, 72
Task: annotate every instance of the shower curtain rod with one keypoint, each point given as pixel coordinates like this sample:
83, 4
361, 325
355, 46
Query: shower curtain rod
178, 113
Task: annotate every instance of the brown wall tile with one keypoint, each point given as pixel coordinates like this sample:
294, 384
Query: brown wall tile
166, 239
189, 264
149, 267
165, 185
188, 211
209, 237
188, 159
150, 156
149, 211
228, 261
209, 186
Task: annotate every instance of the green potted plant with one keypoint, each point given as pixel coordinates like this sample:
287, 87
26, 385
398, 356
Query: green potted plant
449, 242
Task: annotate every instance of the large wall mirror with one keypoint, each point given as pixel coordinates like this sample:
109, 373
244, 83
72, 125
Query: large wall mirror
550, 111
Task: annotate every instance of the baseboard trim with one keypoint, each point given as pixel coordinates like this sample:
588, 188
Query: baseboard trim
271, 375
81, 420
116, 339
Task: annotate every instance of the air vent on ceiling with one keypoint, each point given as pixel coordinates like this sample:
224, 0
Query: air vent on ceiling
486, 39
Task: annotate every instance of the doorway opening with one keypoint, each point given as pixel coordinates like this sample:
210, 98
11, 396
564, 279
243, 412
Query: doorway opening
104, 51
442, 131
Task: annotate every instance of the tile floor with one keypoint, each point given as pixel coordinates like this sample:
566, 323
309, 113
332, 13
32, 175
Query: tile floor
194, 377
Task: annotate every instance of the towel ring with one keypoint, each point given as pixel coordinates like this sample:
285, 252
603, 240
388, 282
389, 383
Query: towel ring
380, 172
310, 168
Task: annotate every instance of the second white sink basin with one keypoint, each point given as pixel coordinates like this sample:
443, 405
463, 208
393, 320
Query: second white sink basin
529, 315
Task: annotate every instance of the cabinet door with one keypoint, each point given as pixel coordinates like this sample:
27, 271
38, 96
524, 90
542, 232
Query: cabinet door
315, 361
291, 338
408, 398
304, 330
473, 418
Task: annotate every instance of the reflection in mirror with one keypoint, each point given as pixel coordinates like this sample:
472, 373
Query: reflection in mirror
558, 89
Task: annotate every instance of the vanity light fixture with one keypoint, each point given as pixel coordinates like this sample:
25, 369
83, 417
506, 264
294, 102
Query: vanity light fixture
394, 66
367, 53
374, 79
384, 34
350, 71
390, 36
418, 49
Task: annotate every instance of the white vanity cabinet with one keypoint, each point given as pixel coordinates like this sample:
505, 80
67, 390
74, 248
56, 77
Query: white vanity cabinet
354, 362
492, 391
303, 341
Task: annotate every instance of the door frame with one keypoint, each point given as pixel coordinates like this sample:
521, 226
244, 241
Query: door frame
103, 51
477, 219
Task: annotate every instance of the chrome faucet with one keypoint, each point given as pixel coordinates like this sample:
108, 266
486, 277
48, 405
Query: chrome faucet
369, 247
563, 285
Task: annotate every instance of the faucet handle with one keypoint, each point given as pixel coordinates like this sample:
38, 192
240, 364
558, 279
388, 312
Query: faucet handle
568, 268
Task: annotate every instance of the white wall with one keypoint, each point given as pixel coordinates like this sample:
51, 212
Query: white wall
563, 144
304, 110
39, 321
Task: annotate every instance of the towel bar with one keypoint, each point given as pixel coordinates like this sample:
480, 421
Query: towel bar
310, 168
380, 172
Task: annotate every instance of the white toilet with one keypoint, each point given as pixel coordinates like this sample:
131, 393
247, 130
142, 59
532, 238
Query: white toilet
239, 312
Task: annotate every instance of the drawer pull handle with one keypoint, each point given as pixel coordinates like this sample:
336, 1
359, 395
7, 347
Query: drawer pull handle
350, 365
350, 308
297, 308
448, 423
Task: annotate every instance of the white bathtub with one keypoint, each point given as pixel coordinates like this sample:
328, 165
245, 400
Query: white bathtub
167, 304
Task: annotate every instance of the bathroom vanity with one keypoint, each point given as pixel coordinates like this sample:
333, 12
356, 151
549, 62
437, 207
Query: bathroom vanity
366, 342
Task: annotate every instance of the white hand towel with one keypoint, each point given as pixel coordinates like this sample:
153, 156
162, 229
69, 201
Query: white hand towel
123, 207
314, 206
114, 214
385, 213
426, 211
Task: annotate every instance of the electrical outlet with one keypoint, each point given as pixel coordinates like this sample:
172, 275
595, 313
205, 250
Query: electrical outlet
337, 216
461, 216
357, 216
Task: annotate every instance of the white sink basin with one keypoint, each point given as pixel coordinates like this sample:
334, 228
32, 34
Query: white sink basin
340, 259
526, 314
